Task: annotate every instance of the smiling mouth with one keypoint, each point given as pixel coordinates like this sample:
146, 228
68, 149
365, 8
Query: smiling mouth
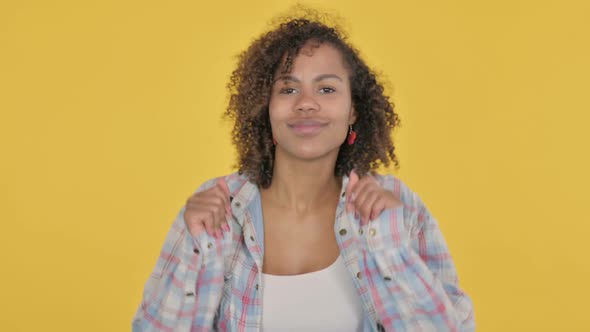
307, 128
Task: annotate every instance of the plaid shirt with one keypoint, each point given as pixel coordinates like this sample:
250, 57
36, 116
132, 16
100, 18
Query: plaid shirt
399, 262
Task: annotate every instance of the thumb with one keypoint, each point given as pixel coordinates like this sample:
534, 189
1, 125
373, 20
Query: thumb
352, 180
223, 186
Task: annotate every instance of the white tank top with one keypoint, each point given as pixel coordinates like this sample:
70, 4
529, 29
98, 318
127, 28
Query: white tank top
324, 300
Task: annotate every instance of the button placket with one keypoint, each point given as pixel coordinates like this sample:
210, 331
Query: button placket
249, 236
372, 232
373, 237
202, 246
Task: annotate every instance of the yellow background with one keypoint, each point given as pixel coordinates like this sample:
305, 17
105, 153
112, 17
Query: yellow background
110, 119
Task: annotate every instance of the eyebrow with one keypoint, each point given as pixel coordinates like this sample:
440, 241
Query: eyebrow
317, 79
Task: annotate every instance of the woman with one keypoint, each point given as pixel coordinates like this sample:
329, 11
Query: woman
295, 240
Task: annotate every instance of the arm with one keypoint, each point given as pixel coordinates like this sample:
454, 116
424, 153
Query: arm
438, 269
422, 284
184, 289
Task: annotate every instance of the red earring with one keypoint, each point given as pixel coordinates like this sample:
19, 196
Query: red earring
351, 136
274, 140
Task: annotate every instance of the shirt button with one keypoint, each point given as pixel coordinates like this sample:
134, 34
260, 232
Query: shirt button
343, 232
343, 193
238, 204
252, 238
387, 278
361, 231
209, 245
256, 287
372, 232
196, 251
358, 275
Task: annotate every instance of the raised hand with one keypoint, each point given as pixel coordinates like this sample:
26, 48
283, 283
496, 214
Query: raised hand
208, 210
368, 198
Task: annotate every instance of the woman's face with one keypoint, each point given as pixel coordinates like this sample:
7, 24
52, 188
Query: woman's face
311, 107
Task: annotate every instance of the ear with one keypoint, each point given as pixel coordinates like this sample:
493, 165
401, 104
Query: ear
352, 116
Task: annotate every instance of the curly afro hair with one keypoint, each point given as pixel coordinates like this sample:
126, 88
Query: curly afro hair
250, 88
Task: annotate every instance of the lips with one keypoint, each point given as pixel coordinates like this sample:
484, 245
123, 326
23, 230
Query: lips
307, 127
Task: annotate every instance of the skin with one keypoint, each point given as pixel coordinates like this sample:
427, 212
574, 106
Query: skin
310, 112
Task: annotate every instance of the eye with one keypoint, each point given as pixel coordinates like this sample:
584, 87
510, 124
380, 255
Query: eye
327, 90
287, 91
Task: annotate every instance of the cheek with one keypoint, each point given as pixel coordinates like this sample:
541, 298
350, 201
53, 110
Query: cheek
341, 129
273, 114
276, 117
278, 110
274, 106
272, 109
343, 113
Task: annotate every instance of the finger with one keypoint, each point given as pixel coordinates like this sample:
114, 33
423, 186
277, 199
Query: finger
215, 202
225, 194
196, 228
191, 224
221, 182
212, 206
361, 189
364, 182
209, 222
220, 216
364, 203
395, 202
366, 186
353, 179
206, 212
196, 225
377, 208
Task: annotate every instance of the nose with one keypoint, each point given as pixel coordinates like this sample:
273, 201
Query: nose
306, 102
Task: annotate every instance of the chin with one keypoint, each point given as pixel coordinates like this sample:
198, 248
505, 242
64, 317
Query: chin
311, 152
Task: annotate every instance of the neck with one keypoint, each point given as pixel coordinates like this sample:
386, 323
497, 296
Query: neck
303, 185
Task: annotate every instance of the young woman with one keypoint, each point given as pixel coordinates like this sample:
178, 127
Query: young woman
296, 240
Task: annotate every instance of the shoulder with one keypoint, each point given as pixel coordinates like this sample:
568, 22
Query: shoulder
409, 198
415, 213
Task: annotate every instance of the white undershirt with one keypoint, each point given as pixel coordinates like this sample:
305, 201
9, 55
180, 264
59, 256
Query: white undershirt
324, 300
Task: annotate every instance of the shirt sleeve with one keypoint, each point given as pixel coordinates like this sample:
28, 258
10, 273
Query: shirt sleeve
183, 291
422, 280
435, 264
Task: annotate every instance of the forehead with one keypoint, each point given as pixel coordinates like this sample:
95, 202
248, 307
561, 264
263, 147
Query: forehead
314, 57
